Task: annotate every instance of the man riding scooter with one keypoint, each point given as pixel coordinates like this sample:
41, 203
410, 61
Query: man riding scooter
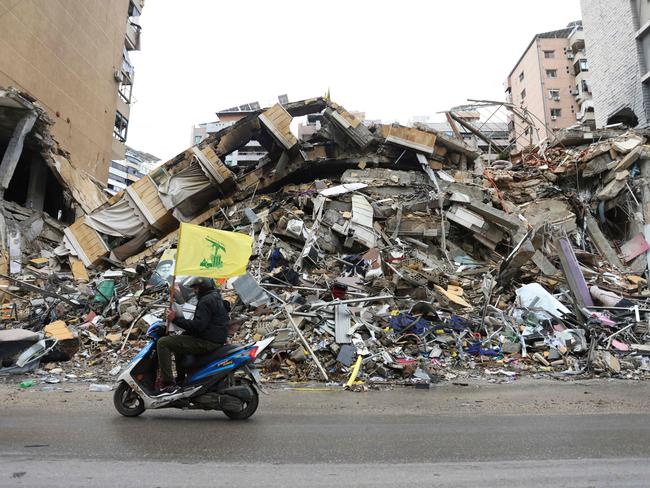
206, 332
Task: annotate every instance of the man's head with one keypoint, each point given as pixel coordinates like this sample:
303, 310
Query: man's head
200, 285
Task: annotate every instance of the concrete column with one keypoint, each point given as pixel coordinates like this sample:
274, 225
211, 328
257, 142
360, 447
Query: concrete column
37, 185
14, 150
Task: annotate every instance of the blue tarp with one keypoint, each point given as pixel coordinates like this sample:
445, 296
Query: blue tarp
403, 320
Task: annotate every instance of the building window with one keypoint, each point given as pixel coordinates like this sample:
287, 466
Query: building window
197, 139
134, 11
120, 127
125, 91
584, 66
118, 166
585, 87
118, 179
521, 76
554, 95
551, 73
523, 94
549, 54
556, 112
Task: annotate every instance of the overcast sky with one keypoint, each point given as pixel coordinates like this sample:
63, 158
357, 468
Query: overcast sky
391, 60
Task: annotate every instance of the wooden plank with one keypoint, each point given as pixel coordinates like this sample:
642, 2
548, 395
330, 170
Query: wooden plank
116, 198
150, 199
87, 242
211, 163
58, 330
146, 195
277, 120
410, 138
352, 120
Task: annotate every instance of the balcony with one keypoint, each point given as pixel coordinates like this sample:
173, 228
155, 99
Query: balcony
123, 106
577, 40
589, 118
582, 87
127, 70
132, 37
580, 65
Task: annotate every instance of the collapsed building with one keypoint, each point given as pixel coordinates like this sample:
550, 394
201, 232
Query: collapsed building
400, 250
40, 190
196, 184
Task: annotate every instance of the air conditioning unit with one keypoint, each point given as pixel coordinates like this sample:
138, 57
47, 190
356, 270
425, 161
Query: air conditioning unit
118, 75
570, 55
553, 117
575, 93
556, 99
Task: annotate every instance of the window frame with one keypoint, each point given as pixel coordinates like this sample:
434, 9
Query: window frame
120, 127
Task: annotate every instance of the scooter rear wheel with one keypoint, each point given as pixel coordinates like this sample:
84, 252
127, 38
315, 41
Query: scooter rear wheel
249, 407
126, 401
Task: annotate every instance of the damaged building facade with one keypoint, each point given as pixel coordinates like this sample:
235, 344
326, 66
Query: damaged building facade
78, 69
41, 191
64, 109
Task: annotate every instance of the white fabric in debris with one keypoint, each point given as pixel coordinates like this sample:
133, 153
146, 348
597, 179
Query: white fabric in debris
119, 220
183, 185
534, 295
342, 189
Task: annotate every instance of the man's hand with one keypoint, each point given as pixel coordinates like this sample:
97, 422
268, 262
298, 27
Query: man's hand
171, 314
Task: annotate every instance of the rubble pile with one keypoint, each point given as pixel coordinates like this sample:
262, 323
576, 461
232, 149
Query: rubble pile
382, 254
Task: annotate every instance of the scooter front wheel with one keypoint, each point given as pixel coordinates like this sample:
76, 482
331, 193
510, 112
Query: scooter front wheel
126, 401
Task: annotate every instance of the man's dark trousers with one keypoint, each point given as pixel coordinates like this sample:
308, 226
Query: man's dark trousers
179, 344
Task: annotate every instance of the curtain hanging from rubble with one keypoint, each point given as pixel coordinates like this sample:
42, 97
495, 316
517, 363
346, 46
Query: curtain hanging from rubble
184, 184
119, 220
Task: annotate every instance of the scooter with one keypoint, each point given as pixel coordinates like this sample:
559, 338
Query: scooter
222, 380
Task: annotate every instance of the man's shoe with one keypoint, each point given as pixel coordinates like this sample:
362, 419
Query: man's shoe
168, 390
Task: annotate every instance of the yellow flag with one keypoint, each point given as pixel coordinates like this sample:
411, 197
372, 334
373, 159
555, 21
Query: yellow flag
211, 253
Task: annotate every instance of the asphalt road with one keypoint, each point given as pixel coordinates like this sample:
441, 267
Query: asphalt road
87, 444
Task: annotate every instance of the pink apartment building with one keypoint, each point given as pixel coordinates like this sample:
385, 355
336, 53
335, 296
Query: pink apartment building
549, 85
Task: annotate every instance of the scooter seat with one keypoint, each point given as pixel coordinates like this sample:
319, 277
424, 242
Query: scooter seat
192, 362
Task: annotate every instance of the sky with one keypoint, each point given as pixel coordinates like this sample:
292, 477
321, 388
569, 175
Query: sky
391, 60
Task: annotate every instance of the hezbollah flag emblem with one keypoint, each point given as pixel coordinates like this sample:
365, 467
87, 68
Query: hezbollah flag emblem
211, 253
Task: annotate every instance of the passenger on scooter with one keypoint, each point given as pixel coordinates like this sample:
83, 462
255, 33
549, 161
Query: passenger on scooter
206, 332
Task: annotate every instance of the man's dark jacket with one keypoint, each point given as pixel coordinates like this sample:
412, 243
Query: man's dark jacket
210, 320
